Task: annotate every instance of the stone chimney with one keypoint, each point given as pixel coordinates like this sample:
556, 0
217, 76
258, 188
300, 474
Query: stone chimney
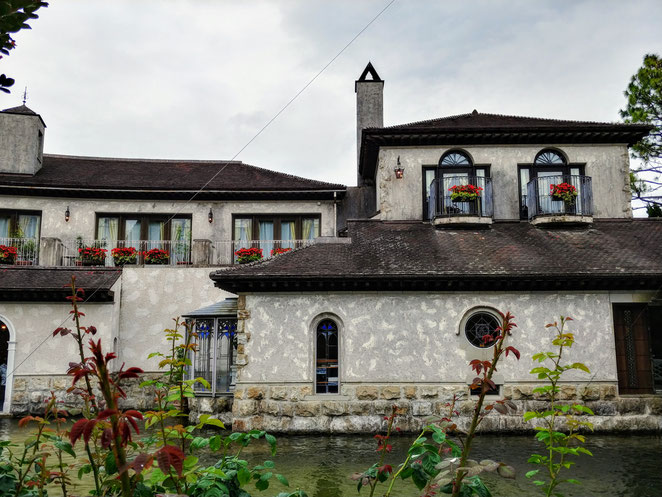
21, 140
369, 90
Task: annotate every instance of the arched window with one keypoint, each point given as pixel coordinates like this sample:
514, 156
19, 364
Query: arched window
326, 367
480, 323
549, 158
455, 158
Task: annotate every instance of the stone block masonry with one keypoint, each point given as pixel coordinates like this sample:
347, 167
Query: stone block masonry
292, 408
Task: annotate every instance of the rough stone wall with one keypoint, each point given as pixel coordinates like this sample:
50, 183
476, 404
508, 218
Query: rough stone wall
401, 199
361, 409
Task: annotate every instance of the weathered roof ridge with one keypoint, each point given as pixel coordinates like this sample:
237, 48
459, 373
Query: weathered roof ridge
509, 116
139, 159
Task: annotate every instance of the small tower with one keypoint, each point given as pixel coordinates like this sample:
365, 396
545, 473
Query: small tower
369, 90
21, 140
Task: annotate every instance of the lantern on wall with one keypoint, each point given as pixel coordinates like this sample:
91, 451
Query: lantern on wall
67, 215
399, 170
210, 216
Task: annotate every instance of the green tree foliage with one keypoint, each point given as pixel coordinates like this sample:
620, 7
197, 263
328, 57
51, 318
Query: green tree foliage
14, 16
644, 105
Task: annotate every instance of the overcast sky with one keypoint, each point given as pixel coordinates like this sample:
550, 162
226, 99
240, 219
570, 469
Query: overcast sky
197, 79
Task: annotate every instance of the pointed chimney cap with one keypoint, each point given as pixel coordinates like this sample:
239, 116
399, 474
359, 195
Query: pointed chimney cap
368, 71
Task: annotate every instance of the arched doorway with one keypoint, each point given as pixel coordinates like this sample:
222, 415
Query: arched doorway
7, 347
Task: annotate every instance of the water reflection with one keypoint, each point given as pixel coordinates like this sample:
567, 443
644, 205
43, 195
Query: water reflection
622, 465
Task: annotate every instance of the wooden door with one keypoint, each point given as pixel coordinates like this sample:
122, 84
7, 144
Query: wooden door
633, 357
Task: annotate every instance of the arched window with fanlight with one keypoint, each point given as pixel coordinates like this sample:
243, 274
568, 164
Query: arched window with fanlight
550, 167
326, 356
445, 184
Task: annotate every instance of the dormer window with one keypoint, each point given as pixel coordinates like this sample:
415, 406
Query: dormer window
541, 182
456, 169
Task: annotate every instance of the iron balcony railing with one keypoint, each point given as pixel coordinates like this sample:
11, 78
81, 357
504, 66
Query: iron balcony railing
447, 198
178, 252
224, 251
27, 251
560, 195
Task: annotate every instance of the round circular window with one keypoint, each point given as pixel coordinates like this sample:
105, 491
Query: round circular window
478, 325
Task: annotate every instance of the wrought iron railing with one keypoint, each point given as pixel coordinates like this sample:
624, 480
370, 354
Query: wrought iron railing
177, 252
223, 252
180, 253
560, 195
27, 251
447, 198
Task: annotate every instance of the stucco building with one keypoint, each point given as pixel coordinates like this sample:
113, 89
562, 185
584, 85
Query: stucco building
389, 286
463, 216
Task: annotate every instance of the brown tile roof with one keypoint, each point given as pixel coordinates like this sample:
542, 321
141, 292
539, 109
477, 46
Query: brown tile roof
44, 284
477, 119
494, 129
416, 256
91, 174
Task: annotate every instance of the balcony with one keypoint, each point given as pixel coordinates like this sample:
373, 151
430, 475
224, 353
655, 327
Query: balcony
178, 253
27, 251
560, 199
461, 201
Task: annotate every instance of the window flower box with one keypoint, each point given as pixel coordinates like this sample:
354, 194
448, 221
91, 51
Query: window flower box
564, 192
157, 256
124, 255
278, 251
8, 254
92, 256
465, 193
246, 255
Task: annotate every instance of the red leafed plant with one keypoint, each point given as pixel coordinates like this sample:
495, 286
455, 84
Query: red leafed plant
246, 255
278, 251
8, 254
156, 256
464, 193
563, 191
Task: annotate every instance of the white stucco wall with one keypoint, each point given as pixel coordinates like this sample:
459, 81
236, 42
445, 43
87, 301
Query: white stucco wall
401, 199
34, 323
389, 337
151, 297
82, 220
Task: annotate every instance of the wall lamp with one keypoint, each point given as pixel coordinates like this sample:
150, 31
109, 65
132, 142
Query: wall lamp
399, 170
210, 216
67, 214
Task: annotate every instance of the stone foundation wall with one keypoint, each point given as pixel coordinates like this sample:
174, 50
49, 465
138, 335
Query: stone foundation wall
362, 408
30, 393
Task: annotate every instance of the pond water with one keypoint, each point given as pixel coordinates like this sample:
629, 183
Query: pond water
621, 466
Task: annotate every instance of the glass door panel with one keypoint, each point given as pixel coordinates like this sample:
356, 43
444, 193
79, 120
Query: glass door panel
310, 228
266, 236
545, 180
449, 180
287, 234
180, 234
243, 232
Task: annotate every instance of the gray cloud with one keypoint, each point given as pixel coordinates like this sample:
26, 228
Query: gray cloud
196, 79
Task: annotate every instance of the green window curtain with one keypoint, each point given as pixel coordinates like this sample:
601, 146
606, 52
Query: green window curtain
310, 228
28, 225
4, 226
180, 234
107, 228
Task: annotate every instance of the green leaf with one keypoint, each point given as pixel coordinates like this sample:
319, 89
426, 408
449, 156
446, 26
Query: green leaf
283, 480
215, 443
243, 476
272, 442
85, 469
65, 447
269, 464
529, 474
110, 465
580, 366
214, 422
262, 484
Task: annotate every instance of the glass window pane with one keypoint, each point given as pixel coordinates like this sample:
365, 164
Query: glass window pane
204, 356
310, 228
429, 176
266, 236
287, 234
28, 225
326, 372
226, 348
180, 234
132, 230
4, 226
107, 228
